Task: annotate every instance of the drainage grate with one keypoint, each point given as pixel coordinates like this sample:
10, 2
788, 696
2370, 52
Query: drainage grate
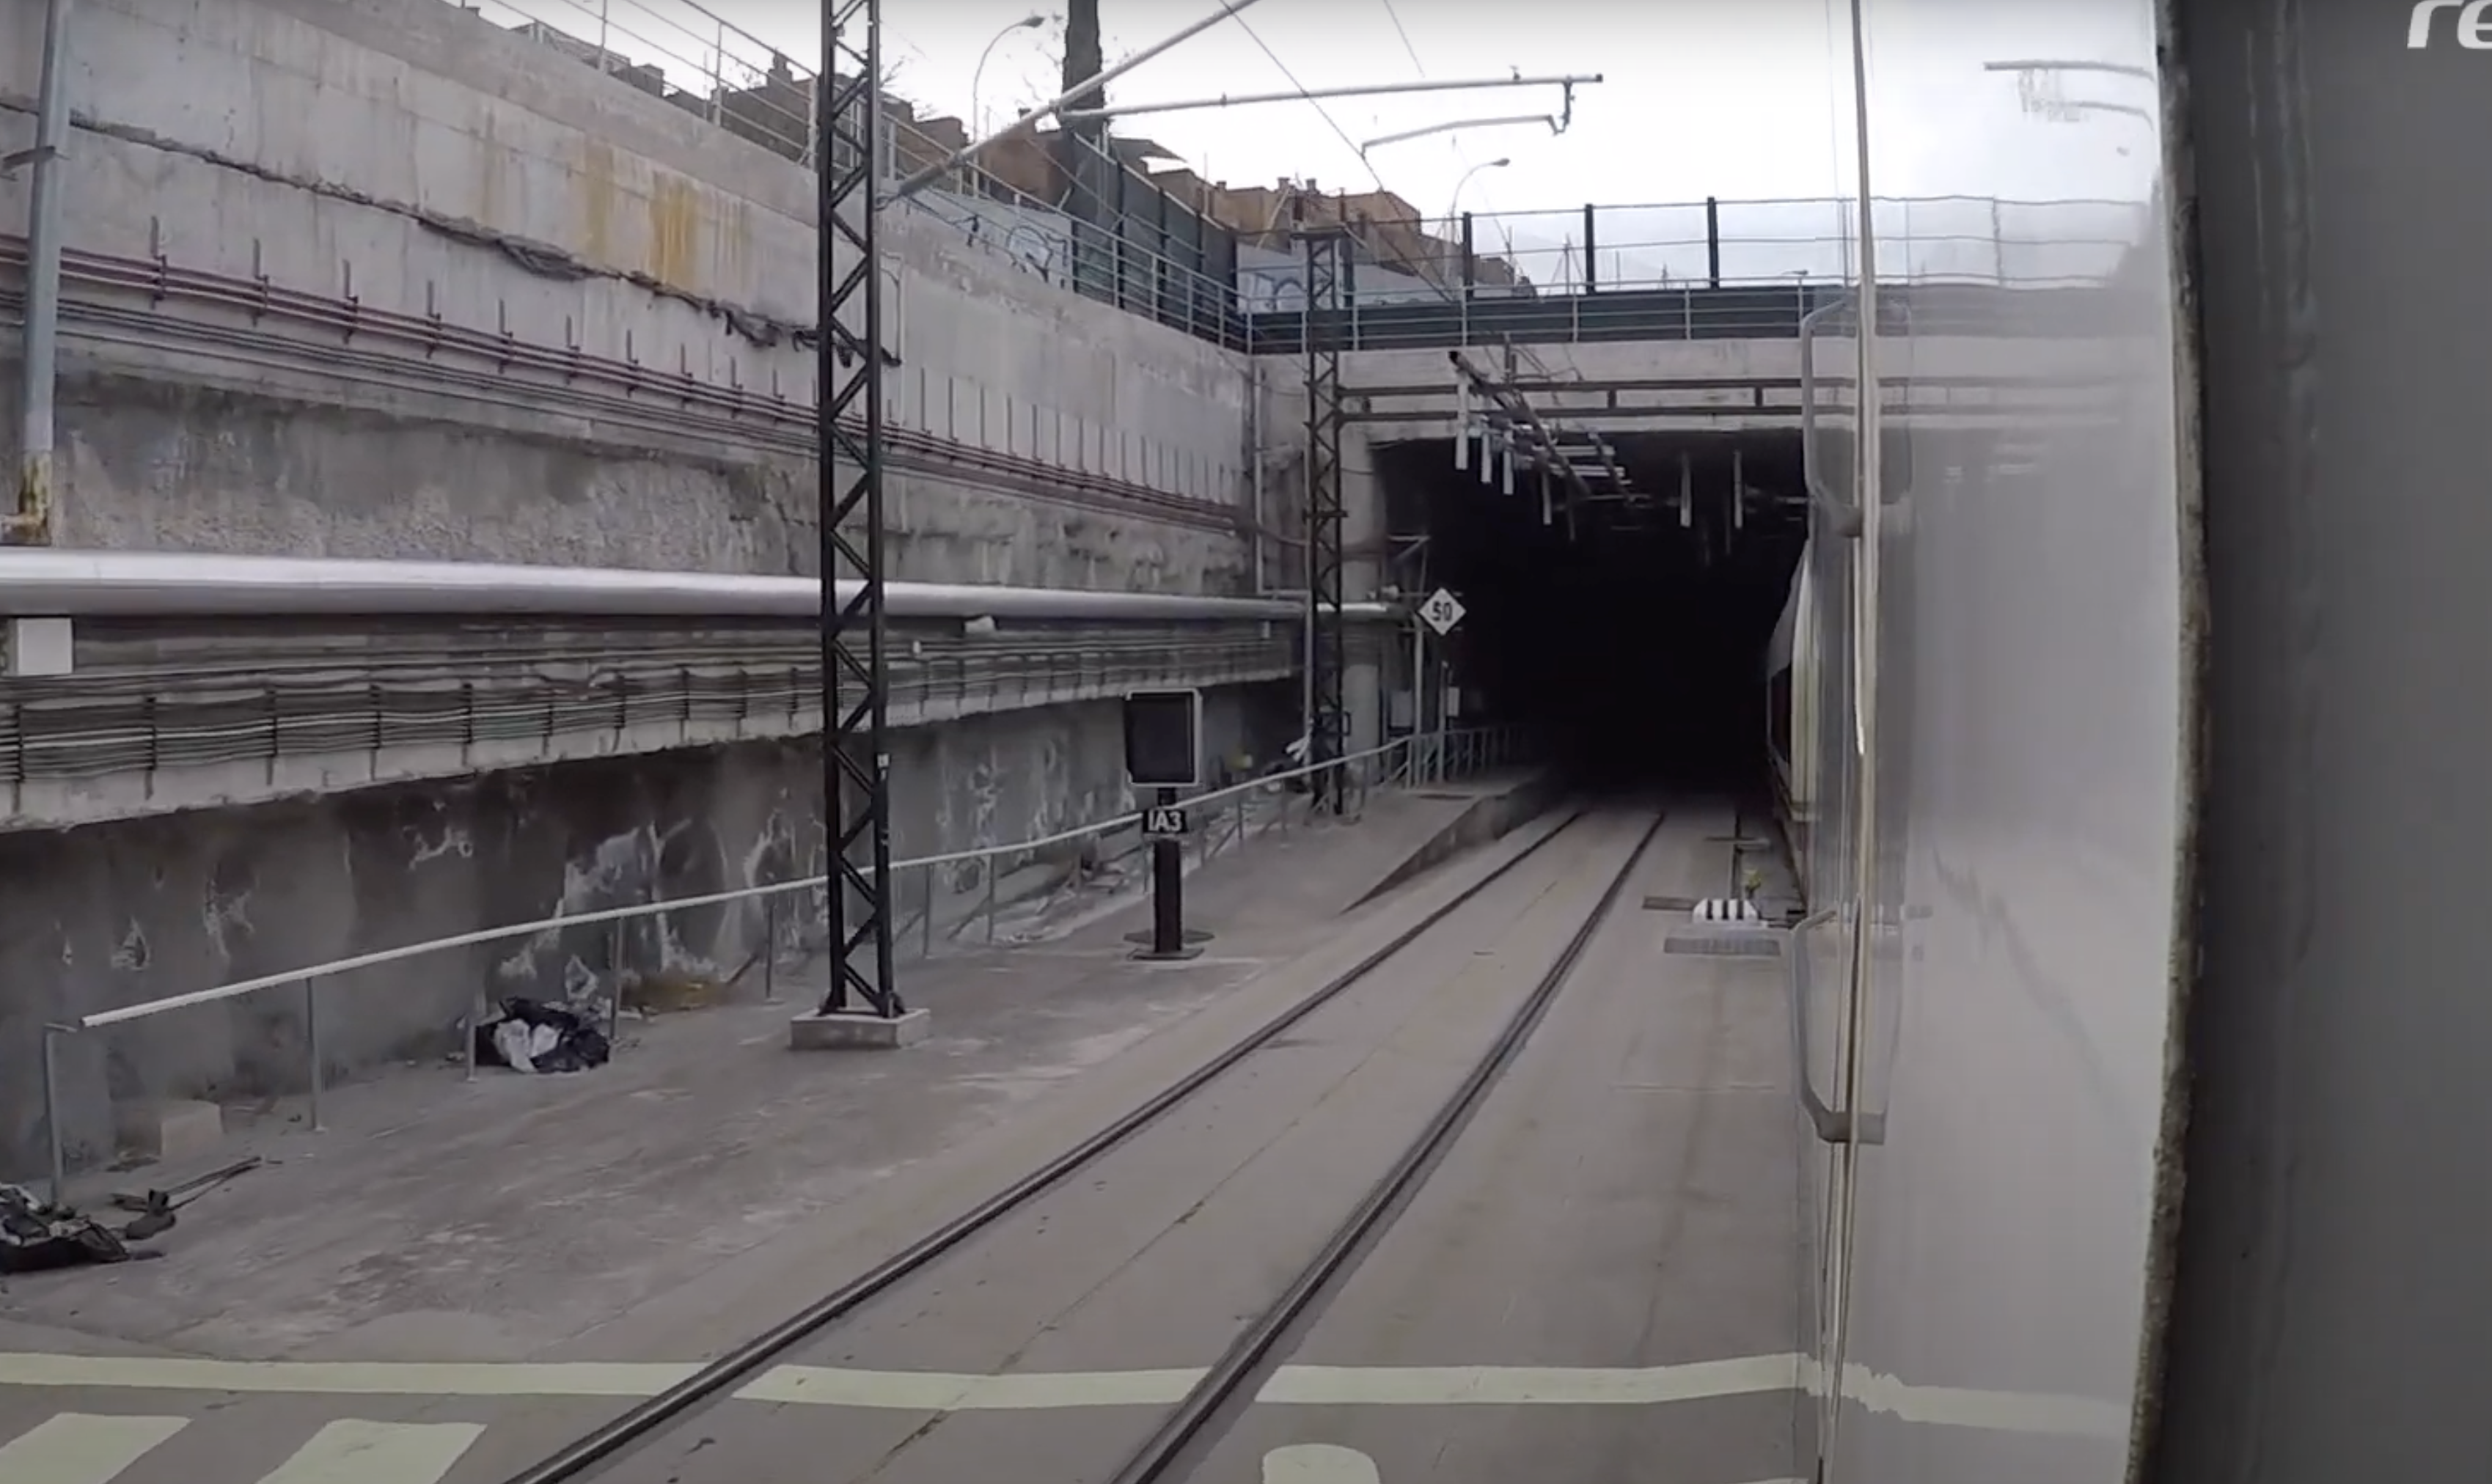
1455, 797
1670, 903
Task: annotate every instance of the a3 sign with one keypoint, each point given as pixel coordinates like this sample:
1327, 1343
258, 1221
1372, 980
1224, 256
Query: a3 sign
1164, 821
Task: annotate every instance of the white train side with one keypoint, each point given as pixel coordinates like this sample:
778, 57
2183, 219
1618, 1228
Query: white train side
1983, 746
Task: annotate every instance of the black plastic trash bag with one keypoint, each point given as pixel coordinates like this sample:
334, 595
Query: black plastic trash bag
38, 1236
530, 1037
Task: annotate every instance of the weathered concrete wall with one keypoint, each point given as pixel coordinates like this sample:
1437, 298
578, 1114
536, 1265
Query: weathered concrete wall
123, 913
383, 280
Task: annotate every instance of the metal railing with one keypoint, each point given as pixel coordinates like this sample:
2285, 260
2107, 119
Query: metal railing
1695, 312
1716, 242
148, 720
1432, 758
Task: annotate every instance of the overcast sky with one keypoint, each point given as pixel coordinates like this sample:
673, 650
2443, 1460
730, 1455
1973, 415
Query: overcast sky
1743, 99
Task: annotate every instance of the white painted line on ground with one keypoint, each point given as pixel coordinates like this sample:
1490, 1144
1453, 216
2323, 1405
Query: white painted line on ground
1324, 1463
74, 1448
935, 1391
1290, 1386
2000, 1411
1319, 1463
352, 1452
344, 1378
1529, 1386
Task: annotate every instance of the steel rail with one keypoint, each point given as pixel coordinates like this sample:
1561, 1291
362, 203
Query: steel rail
585, 1455
1251, 1356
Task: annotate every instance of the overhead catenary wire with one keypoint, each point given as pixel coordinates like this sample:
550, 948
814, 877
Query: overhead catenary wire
1404, 32
1411, 50
1505, 232
1321, 111
1029, 121
1441, 290
1394, 14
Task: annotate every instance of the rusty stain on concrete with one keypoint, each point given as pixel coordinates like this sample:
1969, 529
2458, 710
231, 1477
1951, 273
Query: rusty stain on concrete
731, 247
677, 213
491, 175
596, 191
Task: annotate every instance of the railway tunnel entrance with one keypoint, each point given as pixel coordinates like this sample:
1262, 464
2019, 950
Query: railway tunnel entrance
1625, 614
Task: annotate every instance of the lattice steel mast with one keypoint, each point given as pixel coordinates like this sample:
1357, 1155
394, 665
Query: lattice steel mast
856, 795
1327, 649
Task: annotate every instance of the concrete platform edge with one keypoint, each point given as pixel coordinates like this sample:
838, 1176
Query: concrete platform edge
1493, 818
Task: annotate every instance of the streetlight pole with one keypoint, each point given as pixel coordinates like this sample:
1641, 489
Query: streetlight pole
1454, 203
1454, 206
978, 110
1028, 122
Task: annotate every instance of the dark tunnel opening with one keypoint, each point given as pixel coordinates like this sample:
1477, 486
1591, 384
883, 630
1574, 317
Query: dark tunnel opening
1633, 638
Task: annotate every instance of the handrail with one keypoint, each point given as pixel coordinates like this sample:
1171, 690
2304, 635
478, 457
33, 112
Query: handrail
55, 582
241, 987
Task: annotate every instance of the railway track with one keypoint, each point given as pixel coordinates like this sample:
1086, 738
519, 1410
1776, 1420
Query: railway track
1264, 1341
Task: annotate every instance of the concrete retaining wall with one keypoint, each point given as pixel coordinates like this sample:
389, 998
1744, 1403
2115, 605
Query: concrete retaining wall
383, 280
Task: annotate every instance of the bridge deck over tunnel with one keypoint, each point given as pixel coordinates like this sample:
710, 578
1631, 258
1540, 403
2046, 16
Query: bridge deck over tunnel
1629, 625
